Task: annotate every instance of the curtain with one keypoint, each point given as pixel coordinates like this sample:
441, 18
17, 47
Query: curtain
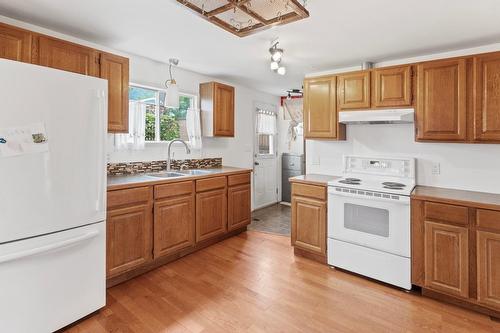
136, 137
266, 122
193, 125
294, 112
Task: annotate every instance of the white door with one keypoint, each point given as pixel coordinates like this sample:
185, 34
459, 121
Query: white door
265, 160
52, 150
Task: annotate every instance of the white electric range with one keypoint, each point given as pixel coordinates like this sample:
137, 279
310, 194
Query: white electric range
369, 218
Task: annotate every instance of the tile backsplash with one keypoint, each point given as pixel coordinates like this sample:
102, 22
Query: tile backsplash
130, 168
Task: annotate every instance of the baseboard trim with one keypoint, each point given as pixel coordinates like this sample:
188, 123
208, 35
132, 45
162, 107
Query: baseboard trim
309, 255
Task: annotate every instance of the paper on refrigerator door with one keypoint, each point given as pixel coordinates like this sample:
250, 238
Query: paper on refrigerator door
21, 140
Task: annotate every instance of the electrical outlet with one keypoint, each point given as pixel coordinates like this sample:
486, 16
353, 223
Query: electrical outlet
436, 168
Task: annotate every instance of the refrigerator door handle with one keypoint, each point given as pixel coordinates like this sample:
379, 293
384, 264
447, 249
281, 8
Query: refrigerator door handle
46, 248
102, 129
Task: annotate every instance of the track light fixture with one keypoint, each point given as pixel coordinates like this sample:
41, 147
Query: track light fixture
276, 58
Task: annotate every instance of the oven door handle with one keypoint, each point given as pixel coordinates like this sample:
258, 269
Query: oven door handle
402, 198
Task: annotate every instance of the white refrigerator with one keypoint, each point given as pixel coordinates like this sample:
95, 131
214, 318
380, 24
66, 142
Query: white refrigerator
52, 197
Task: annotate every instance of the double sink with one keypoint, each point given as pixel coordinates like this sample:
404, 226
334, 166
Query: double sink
182, 173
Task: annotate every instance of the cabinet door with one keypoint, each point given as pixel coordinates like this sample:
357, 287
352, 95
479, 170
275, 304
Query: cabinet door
174, 225
488, 269
67, 56
447, 258
309, 224
223, 110
354, 90
320, 111
238, 207
392, 87
211, 214
15, 44
441, 100
487, 103
115, 69
129, 234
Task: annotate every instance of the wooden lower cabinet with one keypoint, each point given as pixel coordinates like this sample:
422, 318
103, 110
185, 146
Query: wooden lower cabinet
239, 212
488, 268
149, 226
309, 224
456, 250
174, 225
211, 214
129, 238
309, 209
447, 258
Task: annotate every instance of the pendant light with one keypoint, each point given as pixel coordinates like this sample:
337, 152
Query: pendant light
172, 95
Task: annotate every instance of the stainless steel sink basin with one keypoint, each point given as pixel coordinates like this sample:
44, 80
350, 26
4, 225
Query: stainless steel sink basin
167, 174
196, 172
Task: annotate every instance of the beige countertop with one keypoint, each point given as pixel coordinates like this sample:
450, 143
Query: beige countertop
313, 178
136, 180
457, 197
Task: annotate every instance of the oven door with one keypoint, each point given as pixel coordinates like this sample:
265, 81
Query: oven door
375, 223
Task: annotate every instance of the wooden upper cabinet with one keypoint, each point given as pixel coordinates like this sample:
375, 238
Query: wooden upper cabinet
15, 44
442, 102
320, 108
488, 269
59, 54
115, 69
391, 87
217, 106
354, 90
174, 225
446, 258
486, 122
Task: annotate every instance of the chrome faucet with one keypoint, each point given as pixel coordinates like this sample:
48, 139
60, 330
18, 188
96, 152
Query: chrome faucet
188, 151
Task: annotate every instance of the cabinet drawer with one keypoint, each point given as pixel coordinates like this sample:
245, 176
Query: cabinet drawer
129, 196
447, 213
311, 191
488, 219
210, 184
174, 189
243, 178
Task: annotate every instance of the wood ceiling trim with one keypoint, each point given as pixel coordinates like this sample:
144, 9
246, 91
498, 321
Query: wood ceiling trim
299, 12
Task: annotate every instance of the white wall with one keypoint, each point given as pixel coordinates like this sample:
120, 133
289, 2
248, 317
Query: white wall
473, 167
237, 151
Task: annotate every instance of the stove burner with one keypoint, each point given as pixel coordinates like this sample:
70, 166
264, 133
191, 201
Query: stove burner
393, 185
357, 180
349, 182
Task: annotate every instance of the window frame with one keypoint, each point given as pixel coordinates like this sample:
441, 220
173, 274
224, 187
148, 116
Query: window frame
157, 140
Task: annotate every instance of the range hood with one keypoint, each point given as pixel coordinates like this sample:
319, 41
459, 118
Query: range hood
378, 116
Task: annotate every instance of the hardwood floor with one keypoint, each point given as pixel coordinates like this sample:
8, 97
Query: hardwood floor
254, 283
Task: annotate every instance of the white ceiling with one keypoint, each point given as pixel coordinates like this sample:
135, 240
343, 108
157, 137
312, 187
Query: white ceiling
338, 33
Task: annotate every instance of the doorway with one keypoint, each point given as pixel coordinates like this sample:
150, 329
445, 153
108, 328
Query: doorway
265, 158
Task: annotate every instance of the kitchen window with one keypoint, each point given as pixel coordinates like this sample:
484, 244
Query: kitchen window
266, 133
162, 124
